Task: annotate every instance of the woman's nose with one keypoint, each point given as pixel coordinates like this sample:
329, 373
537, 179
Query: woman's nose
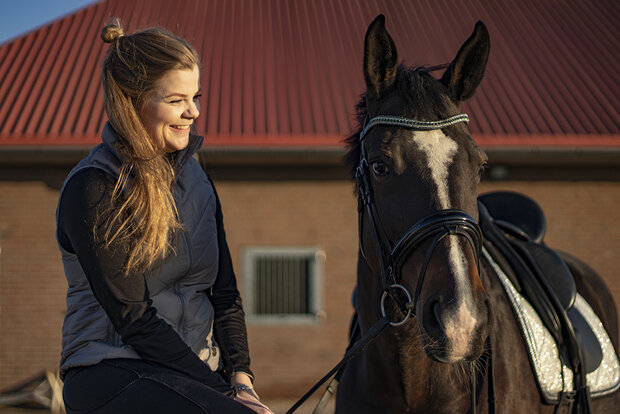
193, 110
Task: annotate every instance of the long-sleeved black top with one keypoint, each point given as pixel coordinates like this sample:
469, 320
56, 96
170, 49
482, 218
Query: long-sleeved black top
125, 298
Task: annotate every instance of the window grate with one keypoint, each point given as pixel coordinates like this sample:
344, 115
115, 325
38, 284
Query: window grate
282, 283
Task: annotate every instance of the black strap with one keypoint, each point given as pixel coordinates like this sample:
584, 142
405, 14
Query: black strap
330, 390
539, 293
352, 352
529, 284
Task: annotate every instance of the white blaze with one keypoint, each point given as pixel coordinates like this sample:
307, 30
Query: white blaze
440, 150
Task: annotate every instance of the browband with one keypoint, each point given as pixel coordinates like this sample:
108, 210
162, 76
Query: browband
413, 123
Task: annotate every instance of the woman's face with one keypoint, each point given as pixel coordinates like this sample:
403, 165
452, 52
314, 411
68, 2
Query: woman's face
172, 107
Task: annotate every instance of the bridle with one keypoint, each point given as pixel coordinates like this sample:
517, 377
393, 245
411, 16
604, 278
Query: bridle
435, 226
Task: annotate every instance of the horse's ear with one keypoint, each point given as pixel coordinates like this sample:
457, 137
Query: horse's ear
467, 69
380, 57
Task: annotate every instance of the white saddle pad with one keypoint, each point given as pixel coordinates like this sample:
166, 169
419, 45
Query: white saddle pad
552, 376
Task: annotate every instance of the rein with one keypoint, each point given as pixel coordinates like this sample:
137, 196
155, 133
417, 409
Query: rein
436, 226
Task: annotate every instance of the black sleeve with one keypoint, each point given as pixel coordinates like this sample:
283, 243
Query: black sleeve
229, 323
125, 298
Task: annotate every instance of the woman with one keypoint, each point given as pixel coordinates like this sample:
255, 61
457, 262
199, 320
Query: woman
154, 321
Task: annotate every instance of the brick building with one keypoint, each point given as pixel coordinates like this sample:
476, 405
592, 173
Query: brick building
280, 80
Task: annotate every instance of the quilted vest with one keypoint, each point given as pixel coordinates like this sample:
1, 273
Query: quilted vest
177, 287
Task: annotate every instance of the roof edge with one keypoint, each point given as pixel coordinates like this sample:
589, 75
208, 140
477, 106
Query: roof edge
554, 156
547, 141
327, 140
329, 150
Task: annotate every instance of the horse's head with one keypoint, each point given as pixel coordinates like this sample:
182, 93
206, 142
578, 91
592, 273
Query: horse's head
418, 182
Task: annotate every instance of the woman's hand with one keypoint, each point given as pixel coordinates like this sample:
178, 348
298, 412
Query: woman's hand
250, 400
246, 394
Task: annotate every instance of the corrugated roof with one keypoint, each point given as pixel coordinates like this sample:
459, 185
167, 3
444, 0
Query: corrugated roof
288, 73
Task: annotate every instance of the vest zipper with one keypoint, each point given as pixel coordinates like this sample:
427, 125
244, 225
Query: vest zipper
180, 326
176, 285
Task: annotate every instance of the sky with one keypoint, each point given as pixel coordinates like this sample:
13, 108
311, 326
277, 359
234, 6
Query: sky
18, 17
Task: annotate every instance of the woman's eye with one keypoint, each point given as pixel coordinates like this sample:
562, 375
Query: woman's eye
196, 97
175, 101
379, 168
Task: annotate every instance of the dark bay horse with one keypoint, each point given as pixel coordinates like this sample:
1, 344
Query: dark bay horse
415, 179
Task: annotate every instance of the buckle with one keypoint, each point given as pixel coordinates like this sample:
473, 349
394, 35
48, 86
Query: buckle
409, 305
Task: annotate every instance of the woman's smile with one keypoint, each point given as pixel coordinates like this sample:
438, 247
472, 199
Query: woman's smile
171, 109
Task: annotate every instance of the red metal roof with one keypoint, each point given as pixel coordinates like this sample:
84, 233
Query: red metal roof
288, 73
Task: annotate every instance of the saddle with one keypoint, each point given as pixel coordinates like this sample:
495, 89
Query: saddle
514, 227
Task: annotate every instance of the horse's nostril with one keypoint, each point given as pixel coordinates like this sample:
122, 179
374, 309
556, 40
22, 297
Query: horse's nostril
437, 310
432, 317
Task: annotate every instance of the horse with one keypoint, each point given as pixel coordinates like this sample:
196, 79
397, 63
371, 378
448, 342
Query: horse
417, 170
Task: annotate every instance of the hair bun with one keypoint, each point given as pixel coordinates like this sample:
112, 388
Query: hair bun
112, 31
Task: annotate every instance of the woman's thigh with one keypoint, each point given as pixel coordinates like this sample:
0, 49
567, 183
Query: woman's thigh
133, 386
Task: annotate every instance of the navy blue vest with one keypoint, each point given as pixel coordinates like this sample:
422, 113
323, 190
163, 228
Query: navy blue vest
176, 287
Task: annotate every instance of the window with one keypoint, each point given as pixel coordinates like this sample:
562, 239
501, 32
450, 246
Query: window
283, 284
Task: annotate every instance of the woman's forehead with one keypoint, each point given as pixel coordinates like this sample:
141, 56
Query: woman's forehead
179, 82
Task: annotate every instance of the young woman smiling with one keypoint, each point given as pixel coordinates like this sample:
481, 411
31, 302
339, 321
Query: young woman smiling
154, 319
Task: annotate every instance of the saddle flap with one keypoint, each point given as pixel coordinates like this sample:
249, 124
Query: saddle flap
555, 271
589, 346
517, 214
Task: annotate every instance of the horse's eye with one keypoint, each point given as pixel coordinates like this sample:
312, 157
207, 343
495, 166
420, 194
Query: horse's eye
379, 168
482, 169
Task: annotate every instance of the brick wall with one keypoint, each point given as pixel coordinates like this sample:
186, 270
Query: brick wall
32, 285
304, 213
581, 218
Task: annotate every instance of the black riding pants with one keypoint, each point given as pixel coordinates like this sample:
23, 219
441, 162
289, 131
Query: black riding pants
119, 386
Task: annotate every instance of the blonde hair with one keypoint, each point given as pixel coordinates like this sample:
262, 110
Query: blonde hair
144, 215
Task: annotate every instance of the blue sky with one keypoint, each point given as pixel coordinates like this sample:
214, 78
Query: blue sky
21, 16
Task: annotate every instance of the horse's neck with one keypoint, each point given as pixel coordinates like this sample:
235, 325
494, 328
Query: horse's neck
398, 358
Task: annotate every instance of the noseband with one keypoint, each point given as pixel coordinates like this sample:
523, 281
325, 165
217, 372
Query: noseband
436, 226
